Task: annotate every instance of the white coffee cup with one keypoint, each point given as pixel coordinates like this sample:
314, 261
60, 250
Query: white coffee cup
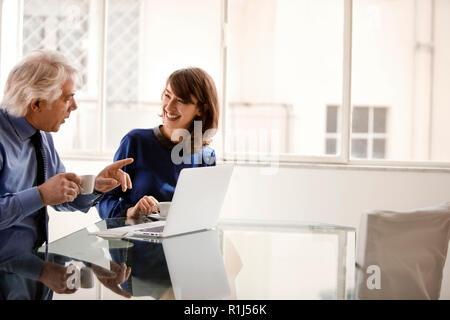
87, 183
164, 208
80, 276
86, 278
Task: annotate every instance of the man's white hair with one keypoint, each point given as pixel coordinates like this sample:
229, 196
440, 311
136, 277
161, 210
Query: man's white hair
40, 75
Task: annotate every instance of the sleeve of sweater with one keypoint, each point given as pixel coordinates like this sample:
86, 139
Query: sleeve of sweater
115, 203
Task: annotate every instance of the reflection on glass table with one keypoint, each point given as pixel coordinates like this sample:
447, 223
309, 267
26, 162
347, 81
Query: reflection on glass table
237, 260
38, 276
289, 260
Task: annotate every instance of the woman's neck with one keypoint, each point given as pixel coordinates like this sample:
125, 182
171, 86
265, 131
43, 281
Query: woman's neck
167, 132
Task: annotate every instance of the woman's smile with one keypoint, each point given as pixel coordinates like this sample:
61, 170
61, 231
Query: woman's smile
172, 116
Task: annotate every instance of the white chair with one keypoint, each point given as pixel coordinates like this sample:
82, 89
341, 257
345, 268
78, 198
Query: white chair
401, 254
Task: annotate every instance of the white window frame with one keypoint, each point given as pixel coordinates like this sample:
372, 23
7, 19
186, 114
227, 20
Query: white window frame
371, 135
343, 156
334, 135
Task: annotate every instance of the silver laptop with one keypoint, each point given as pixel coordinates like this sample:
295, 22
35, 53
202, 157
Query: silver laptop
196, 205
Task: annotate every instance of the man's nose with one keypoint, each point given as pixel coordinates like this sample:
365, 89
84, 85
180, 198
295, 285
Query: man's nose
73, 105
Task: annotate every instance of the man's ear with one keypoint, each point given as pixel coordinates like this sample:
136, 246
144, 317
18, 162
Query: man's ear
35, 105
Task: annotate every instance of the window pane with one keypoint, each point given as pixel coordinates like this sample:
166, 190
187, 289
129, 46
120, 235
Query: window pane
332, 119
360, 120
147, 41
359, 148
281, 74
67, 26
379, 120
401, 59
123, 52
57, 26
122, 72
379, 149
331, 146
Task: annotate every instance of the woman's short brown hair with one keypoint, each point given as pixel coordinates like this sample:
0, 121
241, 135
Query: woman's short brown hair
195, 82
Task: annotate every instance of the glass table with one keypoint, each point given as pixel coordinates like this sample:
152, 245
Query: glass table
237, 260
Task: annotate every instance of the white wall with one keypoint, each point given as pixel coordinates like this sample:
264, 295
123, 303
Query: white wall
328, 193
441, 97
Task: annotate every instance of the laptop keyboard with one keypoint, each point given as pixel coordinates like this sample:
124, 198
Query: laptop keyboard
153, 229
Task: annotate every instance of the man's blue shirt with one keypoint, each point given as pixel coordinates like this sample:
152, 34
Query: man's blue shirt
19, 197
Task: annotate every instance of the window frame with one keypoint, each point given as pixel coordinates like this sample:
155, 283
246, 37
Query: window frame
370, 136
333, 135
343, 156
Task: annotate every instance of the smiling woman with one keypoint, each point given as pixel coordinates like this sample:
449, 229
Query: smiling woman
189, 102
190, 95
177, 113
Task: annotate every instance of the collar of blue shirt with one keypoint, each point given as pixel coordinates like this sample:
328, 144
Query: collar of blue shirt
21, 126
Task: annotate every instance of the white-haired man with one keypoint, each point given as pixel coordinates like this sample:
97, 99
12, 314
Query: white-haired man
38, 97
